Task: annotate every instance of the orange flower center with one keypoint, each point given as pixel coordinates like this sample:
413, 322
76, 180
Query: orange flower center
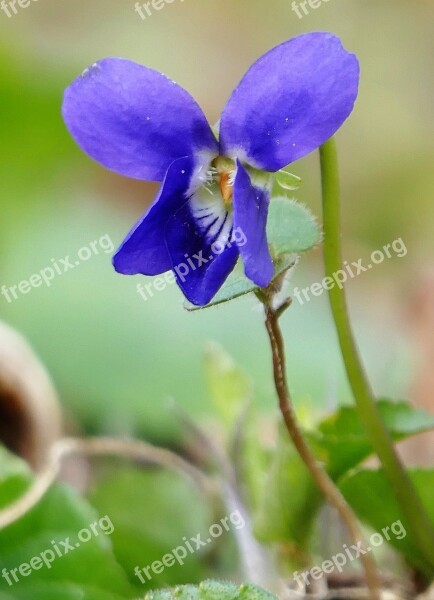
226, 187
225, 177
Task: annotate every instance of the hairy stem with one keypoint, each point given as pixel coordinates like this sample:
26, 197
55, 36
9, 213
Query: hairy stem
321, 478
406, 495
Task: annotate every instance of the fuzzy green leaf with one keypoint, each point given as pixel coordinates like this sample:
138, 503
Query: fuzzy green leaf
86, 569
291, 228
342, 443
212, 590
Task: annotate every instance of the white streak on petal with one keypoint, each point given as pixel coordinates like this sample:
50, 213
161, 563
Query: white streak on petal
210, 214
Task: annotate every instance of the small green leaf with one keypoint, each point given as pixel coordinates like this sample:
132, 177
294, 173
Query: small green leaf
212, 590
237, 284
401, 419
229, 387
374, 501
341, 441
291, 228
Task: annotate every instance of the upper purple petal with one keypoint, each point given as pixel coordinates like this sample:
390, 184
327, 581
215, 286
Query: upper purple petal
134, 120
144, 250
291, 101
201, 250
250, 217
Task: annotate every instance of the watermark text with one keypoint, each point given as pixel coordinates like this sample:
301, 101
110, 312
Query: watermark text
350, 271
58, 549
58, 267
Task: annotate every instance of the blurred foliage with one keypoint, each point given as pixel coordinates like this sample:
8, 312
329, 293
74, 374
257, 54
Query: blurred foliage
374, 502
145, 516
162, 509
153, 512
229, 388
60, 516
289, 515
341, 442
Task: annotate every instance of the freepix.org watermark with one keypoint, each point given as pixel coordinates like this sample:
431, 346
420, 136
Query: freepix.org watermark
396, 248
58, 550
349, 554
147, 9
10, 7
189, 547
58, 267
302, 9
192, 263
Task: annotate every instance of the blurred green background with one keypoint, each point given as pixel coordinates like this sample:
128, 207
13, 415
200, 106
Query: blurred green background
116, 359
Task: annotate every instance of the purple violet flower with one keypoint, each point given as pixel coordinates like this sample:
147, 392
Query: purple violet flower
213, 203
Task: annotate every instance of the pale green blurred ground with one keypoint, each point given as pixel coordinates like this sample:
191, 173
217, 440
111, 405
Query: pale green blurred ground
117, 359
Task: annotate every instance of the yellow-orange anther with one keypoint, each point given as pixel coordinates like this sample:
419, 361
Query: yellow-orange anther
226, 187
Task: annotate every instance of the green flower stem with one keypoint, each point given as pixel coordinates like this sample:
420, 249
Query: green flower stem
319, 475
406, 495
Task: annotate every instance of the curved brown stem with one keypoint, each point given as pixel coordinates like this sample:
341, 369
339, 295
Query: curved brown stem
100, 446
320, 476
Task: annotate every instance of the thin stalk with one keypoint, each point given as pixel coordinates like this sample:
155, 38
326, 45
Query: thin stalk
321, 478
406, 495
